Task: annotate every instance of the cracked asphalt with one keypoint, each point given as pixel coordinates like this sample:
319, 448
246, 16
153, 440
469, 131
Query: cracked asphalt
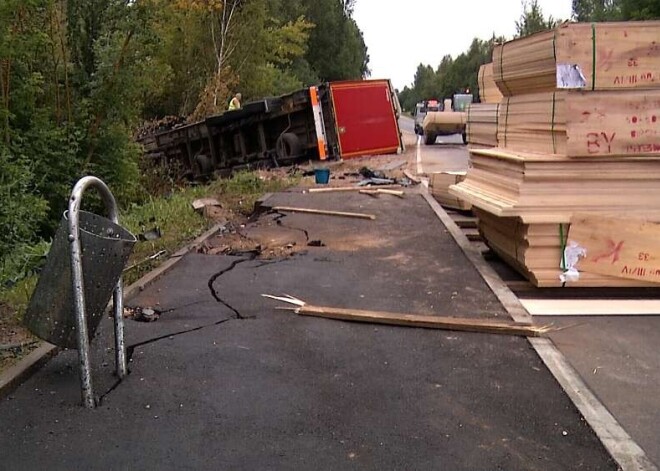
223, 380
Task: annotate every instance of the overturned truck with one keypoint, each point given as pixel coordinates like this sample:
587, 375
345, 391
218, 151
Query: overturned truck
336, 120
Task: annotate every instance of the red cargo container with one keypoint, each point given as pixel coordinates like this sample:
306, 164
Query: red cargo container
365, 114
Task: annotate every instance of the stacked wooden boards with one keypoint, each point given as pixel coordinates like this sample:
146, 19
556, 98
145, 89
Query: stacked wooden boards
598, 56
593, 150
582, 124
481, 125
439, 184
488, 91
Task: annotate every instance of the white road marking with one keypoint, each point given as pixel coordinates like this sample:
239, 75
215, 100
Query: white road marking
620, 445
419, 155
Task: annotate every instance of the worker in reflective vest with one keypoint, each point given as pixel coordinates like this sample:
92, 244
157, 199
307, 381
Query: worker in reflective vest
235, 103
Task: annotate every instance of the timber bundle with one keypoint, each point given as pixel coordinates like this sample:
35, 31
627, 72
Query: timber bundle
576, 132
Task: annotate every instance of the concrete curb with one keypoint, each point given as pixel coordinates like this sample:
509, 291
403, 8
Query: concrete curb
618, 443
13, 376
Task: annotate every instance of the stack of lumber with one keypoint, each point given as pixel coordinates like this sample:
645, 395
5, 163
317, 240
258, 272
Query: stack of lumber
481, 125
535, 251
578, 133
599, 56
582, 124
439, 184
542, 188
488, 91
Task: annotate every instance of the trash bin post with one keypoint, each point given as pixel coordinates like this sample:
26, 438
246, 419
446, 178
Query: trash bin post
79, 293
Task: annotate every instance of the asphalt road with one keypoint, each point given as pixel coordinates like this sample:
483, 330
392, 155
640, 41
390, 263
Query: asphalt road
224, 381
447, 154
407, 124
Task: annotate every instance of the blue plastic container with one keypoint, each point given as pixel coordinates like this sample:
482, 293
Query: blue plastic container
322, 176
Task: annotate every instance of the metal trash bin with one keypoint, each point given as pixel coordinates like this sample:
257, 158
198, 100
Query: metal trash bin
106, 247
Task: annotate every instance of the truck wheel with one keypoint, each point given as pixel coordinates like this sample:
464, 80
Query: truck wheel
288, 146
429, 139
464, 137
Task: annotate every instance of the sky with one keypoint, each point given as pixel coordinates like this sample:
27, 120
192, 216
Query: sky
401, 34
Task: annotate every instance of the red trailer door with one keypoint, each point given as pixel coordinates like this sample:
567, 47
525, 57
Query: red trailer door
365, 118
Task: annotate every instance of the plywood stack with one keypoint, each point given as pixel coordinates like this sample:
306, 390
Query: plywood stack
578, 132
488, 91
439, 184
481, 125
532, 250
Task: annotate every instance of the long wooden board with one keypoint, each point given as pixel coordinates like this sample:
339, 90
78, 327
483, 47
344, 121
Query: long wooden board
621, 247
486, 326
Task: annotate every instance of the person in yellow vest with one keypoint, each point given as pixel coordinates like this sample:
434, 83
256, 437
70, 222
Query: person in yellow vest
235, 103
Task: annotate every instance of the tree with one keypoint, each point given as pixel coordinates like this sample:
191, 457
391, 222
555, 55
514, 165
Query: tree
532, 20
336, 47
596, 10
640, 9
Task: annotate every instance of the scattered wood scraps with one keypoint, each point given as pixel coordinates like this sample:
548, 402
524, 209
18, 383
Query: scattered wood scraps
382, 191
323, 212
487, 326
347, 188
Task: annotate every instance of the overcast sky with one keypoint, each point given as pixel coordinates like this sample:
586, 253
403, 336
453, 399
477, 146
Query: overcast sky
401, 34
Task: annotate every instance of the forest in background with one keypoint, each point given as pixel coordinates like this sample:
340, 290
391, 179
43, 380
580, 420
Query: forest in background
77, 77
456, 75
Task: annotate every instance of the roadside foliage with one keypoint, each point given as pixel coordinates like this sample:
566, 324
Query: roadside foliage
78, 77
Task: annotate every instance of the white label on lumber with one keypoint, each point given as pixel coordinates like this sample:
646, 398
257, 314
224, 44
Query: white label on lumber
625, 248
570, 76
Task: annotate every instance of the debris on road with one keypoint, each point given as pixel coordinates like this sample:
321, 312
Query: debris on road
323, 212
347, 188
142, 314
412, 177
201, 204
380, 191
413, 320
375, 181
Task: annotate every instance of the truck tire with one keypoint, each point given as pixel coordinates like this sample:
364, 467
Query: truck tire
429, 139
288, 146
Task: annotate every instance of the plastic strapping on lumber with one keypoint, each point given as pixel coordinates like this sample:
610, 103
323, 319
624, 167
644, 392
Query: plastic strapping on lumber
562, 241
552, 128
482, 79
468, 127
593, 56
